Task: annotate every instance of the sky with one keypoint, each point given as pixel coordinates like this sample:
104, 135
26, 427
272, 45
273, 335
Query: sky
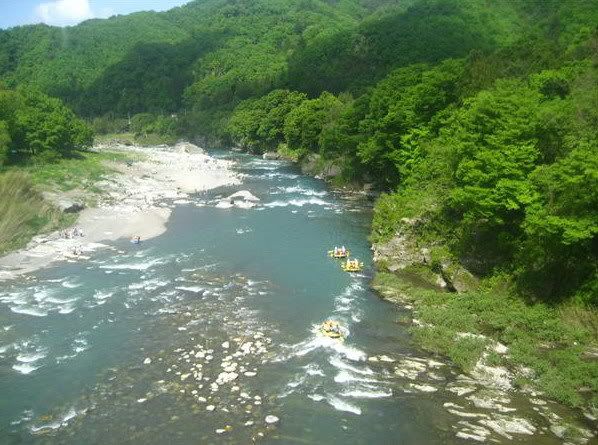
71, 12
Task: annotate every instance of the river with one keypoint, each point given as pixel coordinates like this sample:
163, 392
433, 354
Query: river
203, 334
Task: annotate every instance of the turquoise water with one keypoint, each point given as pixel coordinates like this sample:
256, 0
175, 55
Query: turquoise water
104, 351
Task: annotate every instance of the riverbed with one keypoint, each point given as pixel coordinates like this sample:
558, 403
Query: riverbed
209, 334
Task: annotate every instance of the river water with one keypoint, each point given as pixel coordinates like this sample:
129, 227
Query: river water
198, 335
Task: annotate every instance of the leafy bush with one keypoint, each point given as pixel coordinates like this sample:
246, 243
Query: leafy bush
37, 126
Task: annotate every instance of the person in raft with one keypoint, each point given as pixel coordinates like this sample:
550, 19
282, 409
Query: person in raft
343, 250
136, 239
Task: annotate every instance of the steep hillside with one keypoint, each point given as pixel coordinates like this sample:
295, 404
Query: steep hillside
144, 61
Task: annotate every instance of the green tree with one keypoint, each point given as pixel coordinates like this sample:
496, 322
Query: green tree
400, 110
5, 142
304, 125
258, 123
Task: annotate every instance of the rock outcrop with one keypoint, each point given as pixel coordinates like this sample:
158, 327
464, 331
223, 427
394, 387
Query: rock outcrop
243, 199
406, 251
271, 156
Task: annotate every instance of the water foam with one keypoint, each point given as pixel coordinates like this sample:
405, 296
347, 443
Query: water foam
299, 190
297, 203
102, 295
70, 285
320, 341
31, 358
25, 368
60, 300
313, 369
61, 422
66, 309
367, 392
348, 377
28, 311
341, 405
135, 266
194, 289
338, 362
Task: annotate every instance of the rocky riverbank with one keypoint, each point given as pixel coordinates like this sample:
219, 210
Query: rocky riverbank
498, 397
136, 200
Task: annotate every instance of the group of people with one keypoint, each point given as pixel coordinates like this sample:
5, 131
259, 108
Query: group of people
331, 326
341, 251
353, 264
75, 232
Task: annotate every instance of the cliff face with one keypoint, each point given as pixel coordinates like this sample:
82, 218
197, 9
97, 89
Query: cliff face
428, 260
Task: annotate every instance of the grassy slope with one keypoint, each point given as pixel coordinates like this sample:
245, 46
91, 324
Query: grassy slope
554, 342
25, 213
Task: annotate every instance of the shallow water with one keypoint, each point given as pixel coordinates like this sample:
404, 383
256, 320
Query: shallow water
131, 346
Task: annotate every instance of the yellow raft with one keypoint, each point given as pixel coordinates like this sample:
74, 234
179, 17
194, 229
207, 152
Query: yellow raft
339, 254
352, 266
332, 329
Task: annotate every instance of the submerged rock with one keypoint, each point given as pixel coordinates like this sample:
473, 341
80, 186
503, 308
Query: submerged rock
505, 426
270, 419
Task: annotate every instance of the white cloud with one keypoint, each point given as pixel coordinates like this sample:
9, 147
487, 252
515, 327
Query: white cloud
64, 12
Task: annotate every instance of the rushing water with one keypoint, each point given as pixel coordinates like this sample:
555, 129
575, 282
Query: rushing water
128, 347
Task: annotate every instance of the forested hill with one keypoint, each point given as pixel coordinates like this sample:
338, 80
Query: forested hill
223, 51
228, 49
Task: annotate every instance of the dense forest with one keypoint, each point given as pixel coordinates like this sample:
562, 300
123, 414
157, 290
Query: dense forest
479, 119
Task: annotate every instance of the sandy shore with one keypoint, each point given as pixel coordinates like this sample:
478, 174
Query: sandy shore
137, 200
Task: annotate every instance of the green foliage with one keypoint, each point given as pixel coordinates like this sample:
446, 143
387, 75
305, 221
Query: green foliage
80, 172
428, 31
108, 124
400, 107
550, 342
561, 227
23, 211
151, 129
5, 142
40, 126
258, 124
305, 125
463, 351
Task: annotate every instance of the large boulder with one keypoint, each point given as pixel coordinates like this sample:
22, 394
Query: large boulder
188, 147
271, 156
243, 199
243, 195
68, 206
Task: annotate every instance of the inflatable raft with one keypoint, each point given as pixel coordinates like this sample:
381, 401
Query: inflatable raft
339, 254
352, 266
332, 329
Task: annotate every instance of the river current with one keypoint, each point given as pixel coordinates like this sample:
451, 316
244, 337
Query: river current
209, 333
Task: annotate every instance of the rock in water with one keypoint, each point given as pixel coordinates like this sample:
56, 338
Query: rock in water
270, 419
244, 195
271, 156
147, 361
187, 147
